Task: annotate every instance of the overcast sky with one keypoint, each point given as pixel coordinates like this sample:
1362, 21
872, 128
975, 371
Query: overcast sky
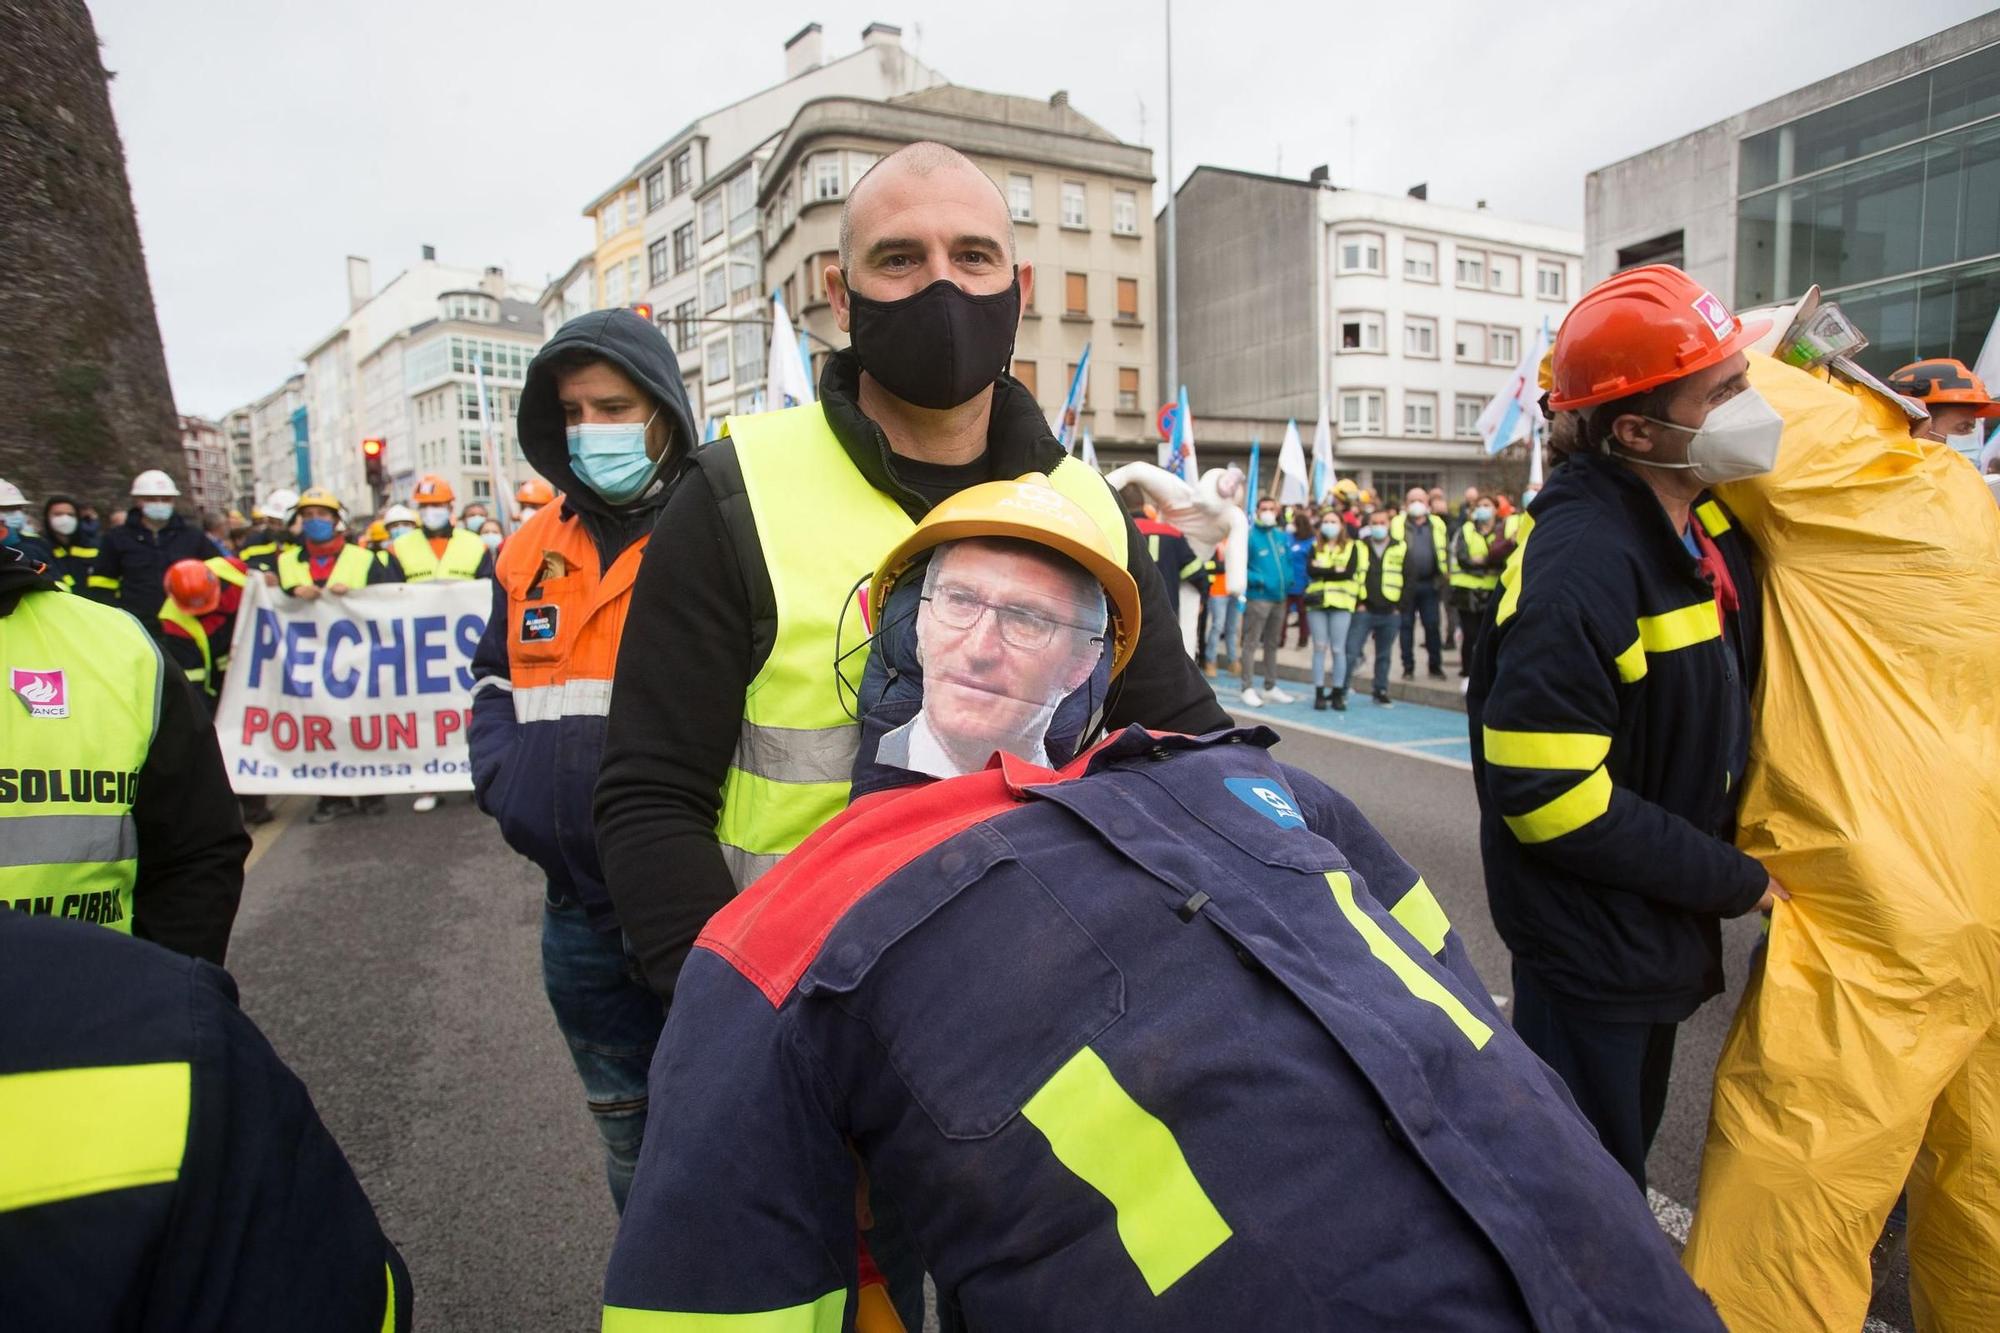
266, 141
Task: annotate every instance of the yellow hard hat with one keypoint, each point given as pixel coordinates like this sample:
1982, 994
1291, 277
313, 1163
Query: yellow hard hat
321, 496
377, 533
1033, 510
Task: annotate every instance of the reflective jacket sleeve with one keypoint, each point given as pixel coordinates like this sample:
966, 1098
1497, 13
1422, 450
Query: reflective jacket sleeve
491, 737
1162, 688
1393, 881
191, 839
1549, 721
271, 1229
744, 1198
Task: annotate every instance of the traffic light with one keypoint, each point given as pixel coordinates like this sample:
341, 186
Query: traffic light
643, 310
371, 458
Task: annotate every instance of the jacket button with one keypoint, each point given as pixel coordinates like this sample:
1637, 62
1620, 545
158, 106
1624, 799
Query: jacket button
1419, 1115
951, 862
1123, 827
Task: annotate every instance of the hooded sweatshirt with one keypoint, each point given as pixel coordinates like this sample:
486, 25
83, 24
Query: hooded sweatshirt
546, 815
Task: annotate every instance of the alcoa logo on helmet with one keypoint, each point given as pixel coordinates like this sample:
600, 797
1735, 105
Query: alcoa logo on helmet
1715, 314
45, 693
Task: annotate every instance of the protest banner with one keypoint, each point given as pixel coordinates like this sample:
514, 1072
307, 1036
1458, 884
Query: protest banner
352, 695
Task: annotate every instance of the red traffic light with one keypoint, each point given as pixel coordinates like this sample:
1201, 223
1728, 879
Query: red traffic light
371, 448
642, 310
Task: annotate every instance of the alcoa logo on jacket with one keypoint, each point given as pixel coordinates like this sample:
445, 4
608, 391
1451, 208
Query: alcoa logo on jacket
1268, 799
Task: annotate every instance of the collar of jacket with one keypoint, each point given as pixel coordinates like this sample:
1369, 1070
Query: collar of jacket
1017, 435
1601, 479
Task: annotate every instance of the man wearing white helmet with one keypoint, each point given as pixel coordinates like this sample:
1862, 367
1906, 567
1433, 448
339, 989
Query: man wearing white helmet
14, 524
138, 552
264, 543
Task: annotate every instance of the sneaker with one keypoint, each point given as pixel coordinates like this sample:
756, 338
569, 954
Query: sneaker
1208, 669
1279, 695
1252, 699
1382, 699
331, 808
1437, 673
424, 804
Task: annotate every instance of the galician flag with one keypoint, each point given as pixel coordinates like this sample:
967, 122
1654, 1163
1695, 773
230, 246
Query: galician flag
1322, 454
789, 383
1250, 491
1180, 449
1517, 409
1292, 487
1089, 452
1072, 410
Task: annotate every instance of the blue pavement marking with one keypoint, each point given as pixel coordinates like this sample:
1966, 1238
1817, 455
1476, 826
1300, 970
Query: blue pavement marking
1417, 730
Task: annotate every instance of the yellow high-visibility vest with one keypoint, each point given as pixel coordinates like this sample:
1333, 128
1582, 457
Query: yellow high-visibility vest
463, 553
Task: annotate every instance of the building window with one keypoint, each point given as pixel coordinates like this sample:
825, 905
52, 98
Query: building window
715, 289
1471, 268
1128, 389
1361, 331
1503, 346
607, 221
686, 326
1420, 414
614, 285
469, 452
788, 205
1076, 293
826, 176
1668, 248
1020, 197
1125, 212
1073, 205
1471, 342
656, 262
1024, 371
656, 189
681, 169
1420, 261
684, 247
748, 341
742, 202
1465, 416
632, 207
1361, 412
860, 164
1360, 252
1128, 299
632, 287
1549, 283
1503, 274
1083, 392
743, 270
715, 360
1420, 336
711, 217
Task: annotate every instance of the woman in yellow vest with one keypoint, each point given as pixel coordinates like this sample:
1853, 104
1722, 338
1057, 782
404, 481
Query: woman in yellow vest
1334, 572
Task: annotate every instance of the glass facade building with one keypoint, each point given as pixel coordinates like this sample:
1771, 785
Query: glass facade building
1890, 201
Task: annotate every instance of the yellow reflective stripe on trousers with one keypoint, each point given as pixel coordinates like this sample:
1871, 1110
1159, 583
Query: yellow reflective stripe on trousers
1566, 813
1420, 913
825, 1315
101, 581
76, 1132
1683, 628
1578, 750
1123, 1151
1408, 971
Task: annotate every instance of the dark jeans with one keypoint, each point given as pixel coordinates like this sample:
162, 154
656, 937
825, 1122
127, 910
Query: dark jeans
1379, 625
612, 1023
1472, 622
1421, 599
1617, 1072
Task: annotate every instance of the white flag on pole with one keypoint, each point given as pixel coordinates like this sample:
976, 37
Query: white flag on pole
503, 494
1293, 486
1322, 459
790, 383
1089, 451
1517, 408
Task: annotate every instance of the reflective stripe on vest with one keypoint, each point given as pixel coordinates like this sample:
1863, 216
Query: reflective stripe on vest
462, 554
1476, 546
225, 569
73, 740
171, 614
350, 567
1392, 571
1330, 590
796, 749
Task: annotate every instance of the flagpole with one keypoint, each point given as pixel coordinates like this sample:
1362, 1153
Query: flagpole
1173, 274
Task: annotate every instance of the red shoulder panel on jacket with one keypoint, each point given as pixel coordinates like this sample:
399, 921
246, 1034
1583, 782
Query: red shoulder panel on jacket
772, 931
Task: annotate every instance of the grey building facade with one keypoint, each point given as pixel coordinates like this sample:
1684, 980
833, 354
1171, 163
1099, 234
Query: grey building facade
1881, 184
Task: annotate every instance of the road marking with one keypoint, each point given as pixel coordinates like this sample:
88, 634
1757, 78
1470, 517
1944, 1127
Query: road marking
265, 836
1273, 719
1675, 1219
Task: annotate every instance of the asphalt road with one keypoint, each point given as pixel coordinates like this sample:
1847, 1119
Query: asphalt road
394, 962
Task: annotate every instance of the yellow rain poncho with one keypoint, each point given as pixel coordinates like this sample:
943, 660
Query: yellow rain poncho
1867, 1052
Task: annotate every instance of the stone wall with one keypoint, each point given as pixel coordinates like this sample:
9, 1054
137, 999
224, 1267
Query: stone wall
84, 398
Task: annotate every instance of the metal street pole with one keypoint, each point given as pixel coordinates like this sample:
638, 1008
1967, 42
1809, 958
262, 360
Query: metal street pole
1171, 388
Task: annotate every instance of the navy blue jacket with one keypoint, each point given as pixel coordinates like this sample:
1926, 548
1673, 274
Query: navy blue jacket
176, 1176
138, 558
1609, 710
1169, 1040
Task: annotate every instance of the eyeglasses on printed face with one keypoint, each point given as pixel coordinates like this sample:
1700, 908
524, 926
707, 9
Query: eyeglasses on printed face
1028, 631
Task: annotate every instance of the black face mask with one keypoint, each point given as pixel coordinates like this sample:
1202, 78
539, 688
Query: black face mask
939, 348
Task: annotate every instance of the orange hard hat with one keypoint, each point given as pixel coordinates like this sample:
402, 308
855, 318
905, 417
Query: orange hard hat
1640, 329
432, 490
1946, 383
535, 491
194, 587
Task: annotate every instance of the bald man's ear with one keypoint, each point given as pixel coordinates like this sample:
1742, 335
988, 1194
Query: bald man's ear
836, 294
1027, 272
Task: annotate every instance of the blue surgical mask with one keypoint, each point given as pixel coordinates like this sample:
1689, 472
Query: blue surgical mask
317, 530
610, 458
1375, 532
1482, 515
159, 511
1329, 530
16, 520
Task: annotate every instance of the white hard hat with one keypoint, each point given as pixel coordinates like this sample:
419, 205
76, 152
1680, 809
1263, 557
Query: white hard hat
398, 514
10, 494
153, 483
281, 503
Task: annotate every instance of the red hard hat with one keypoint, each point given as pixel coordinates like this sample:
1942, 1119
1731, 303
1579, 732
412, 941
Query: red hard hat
535, 491
1640, 329
194, 587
